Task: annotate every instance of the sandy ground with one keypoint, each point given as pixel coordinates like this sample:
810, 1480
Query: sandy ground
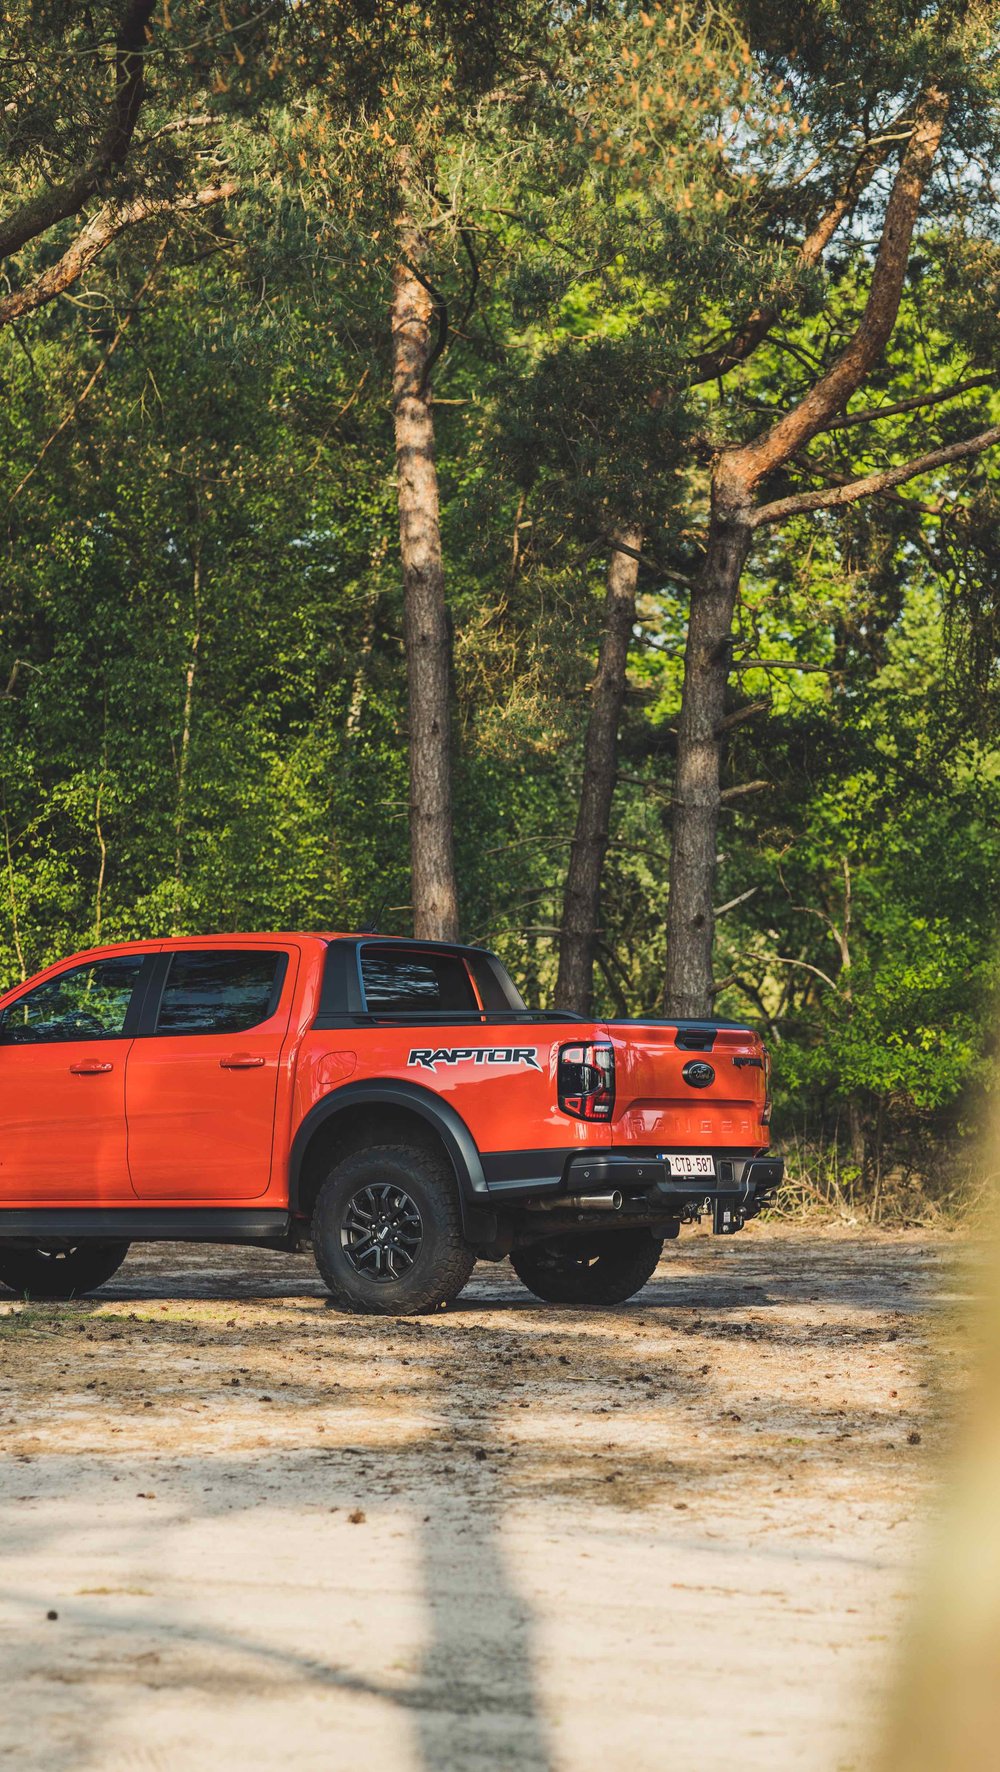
239, 1529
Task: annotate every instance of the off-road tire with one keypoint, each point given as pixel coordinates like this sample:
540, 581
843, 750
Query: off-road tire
67, 1272
605, 1268
441, 1262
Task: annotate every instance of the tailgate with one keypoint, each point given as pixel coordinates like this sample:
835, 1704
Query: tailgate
665, 1097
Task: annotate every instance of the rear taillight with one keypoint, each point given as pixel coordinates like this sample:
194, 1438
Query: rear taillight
765, 1117
587, 1081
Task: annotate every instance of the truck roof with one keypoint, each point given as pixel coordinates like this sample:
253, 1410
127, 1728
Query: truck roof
229, 937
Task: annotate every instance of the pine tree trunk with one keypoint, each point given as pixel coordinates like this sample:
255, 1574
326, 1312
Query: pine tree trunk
428, 649
690, 921
581, 901
184, 754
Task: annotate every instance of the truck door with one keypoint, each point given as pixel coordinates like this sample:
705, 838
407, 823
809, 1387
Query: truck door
202, 1075
63, 1052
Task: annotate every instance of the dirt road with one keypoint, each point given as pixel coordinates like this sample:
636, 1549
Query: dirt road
675, 1535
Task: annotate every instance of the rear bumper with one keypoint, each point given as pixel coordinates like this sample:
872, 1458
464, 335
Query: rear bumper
740, 1186
628, 1186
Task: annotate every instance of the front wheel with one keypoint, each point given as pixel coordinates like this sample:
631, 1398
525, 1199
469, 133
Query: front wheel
387, 1232
605, 1268
60, 1271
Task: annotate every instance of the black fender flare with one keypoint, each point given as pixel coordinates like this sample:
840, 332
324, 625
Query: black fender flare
392, 1092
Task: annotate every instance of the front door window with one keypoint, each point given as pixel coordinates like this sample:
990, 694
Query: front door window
86, 1003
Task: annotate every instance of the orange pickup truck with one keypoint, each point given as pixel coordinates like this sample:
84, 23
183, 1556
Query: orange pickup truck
392, 1102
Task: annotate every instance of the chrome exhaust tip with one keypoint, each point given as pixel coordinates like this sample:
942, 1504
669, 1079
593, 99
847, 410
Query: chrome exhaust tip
580, 1203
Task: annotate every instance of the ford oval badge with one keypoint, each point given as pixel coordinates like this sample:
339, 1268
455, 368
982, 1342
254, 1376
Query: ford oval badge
698, 1073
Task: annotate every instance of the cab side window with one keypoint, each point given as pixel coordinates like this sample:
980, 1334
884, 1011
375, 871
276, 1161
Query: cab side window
220, 993
86, 1003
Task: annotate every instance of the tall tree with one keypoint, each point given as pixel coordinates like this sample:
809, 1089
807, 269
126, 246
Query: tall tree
428, 647
381, 185
581, 915
614, 232
915, 125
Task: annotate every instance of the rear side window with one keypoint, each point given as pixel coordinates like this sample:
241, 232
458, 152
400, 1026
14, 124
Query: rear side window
86, 1003
220, 993
398, 981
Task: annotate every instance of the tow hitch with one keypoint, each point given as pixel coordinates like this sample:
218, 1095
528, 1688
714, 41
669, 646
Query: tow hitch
727, 1214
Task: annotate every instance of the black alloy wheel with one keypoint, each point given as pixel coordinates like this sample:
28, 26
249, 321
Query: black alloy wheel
603, 1267
387, 1231
59, 1270
381, 1232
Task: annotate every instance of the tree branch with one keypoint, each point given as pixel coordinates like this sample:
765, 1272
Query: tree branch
19, 665
620, 547
743, 787
737, 717
58, 202
105, 226
831, 498
781, 960
98, 372
871, 414
466, 238
777, 664
826, 398
441, 319
716, 360
731, 903
180, 126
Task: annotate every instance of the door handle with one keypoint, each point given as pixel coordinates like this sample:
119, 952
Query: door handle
91, 1067
241, 1061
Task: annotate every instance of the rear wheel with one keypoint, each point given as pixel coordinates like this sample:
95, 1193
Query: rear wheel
602, 1269
60, 1271
387, 1232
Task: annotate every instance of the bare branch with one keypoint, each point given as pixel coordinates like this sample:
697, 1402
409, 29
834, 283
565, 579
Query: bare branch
19, 665
777, 664
722, 984
743, 787
620, 547
825, 976
872, 414
833, 497
737, 717
731, 903
180, 126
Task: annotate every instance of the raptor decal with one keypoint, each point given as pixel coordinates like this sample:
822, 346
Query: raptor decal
429, 1057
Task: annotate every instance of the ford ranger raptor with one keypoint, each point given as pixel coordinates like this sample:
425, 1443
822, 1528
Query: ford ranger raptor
390, 1102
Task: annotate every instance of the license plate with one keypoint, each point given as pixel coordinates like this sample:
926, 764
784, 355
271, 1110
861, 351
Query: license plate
701, 1166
